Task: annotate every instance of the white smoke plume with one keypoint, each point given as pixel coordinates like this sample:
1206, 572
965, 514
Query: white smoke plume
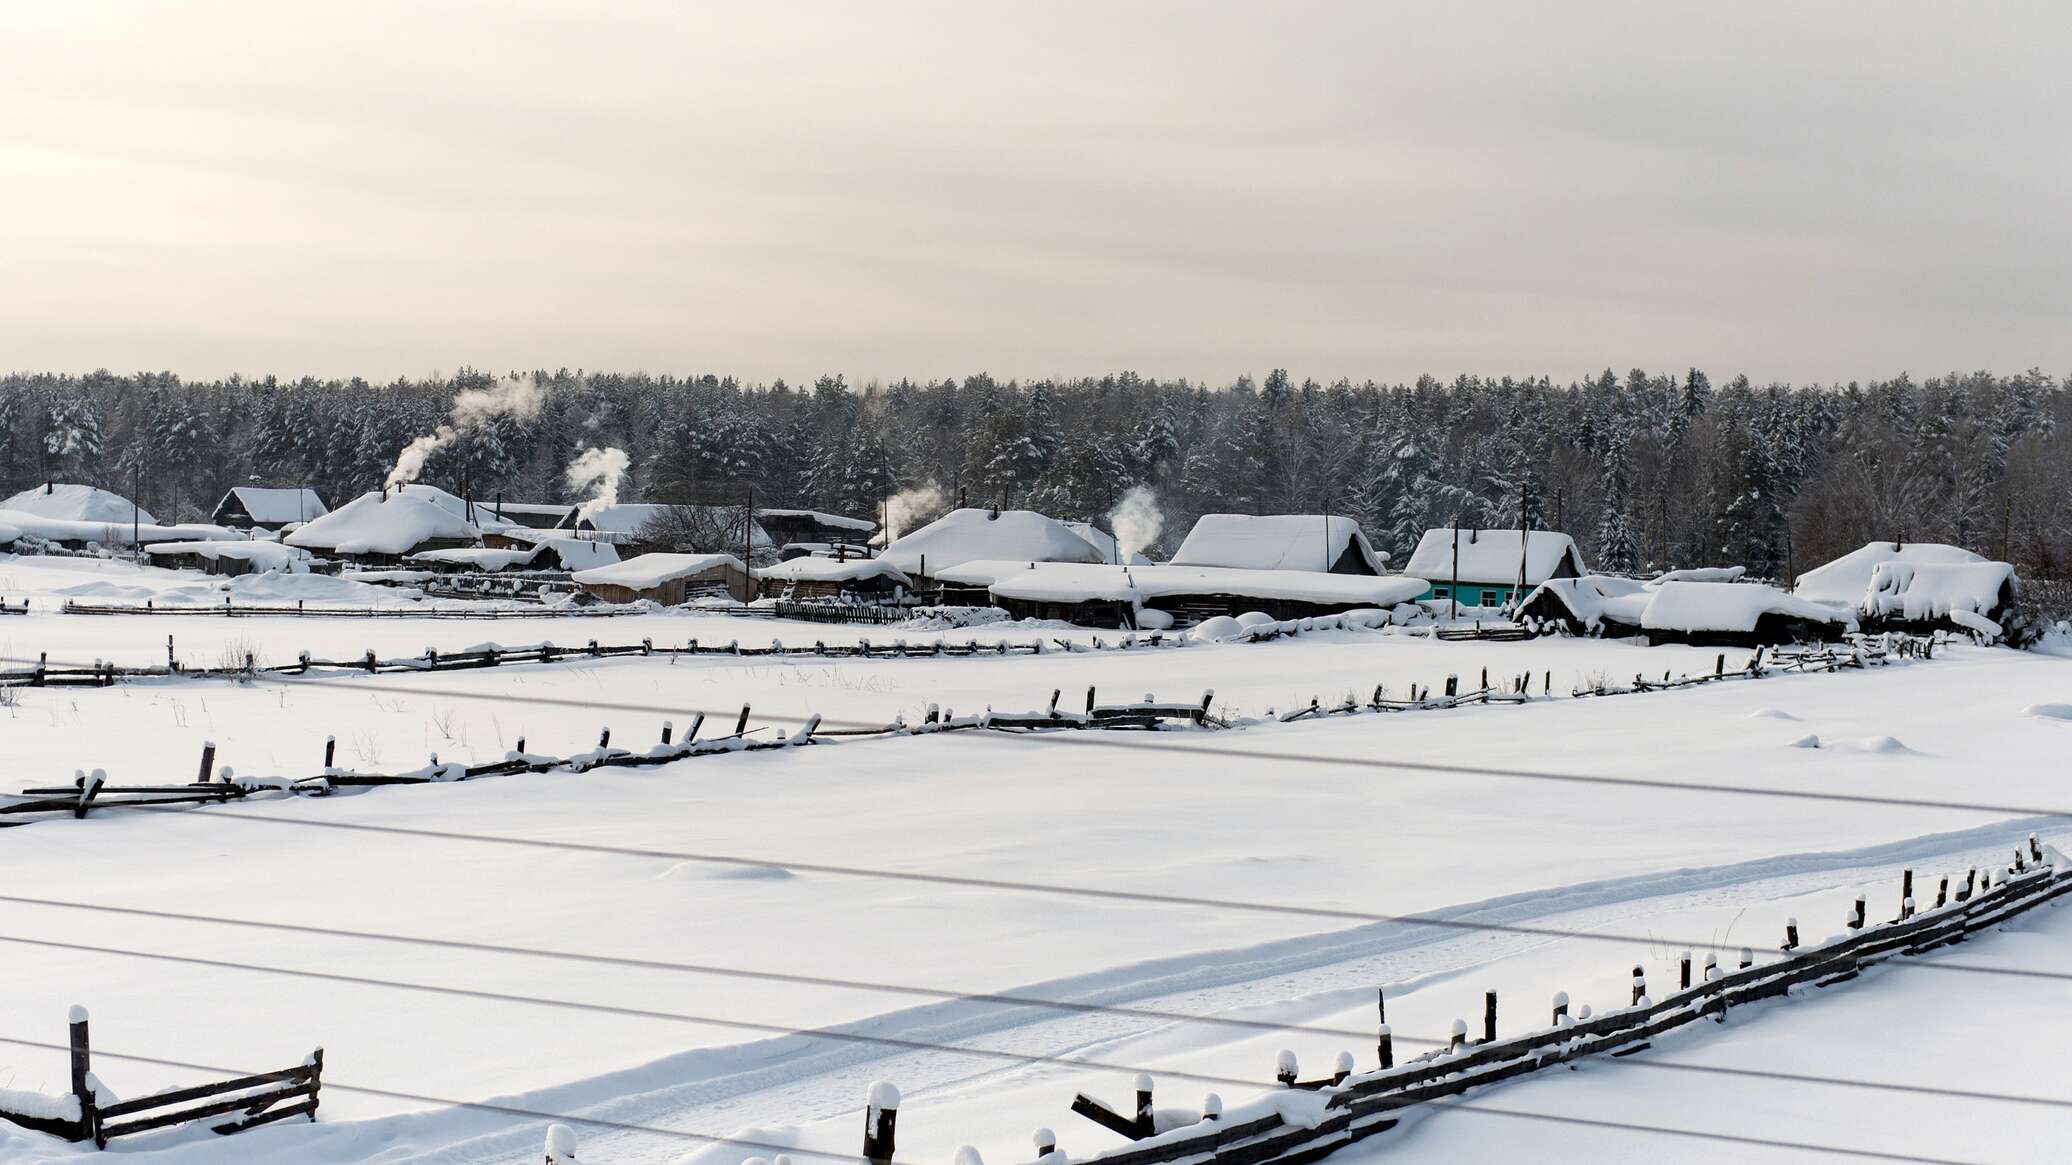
909, 507
1136, 520
512, 396
599, 471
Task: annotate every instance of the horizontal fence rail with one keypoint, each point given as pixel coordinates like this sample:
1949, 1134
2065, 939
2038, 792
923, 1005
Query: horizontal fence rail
90, 1113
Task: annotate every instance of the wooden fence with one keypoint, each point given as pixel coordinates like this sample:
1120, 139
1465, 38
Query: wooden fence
247, 1101
1347, 1105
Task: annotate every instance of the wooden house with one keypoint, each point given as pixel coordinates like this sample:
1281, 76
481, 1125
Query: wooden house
1489, 568
835, 580
248, 507
668, 579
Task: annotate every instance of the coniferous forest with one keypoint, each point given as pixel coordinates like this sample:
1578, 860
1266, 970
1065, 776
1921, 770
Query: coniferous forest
1646, 469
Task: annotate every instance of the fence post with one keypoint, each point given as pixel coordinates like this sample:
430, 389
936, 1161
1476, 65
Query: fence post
879, 1117
2035, 850
330, 751
82, 1079
1384, 1047
1856, 914
741, 725
171, 664
1560, 1007
1747, 958
1640, 983
1212, 1107
561, 1145
1146, 1123
521, 745
1285, 1069
1489, 1017
668, 727
1343, 1068
604, 738
1089, 698
1452, 686
208, 761
1460, 1035
1046, 1143
1942, 892
1906, 893
1683, 968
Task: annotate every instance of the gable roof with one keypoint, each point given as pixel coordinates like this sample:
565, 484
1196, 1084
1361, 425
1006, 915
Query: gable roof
1277, 542
272, 506
963, 535
1064, 582
1492, 556
644, 571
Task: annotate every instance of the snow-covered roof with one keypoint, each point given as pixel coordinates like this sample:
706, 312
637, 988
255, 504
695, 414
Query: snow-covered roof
1104, 543
77, 503
964, 535
1596, 598
1933, 590
1716, 606
545, 515
107, 533
1847, 578
810, 569
1275, 542
394, 522
271, 506
623, 520
1063, 582
9, 533
481, 558
271, 555
1701, 574
821, 518
577, 553
644, 571
1491, 556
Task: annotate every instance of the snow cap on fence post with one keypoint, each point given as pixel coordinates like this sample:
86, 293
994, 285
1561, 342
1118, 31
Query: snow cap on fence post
968, 1155
1343, 1069
1285, 1069
1384, 1047
1856, 913
1711, 967
1460, 1035
1046, 1142
561, 1145
1747, 958
1640, 983
1560, 1007
879, 1119
1147, 1124
1791, 934
1212, 1107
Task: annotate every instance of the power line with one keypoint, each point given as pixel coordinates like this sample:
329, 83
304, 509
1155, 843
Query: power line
1019, 1058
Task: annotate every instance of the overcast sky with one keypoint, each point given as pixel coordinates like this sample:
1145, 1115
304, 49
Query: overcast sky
1802, 192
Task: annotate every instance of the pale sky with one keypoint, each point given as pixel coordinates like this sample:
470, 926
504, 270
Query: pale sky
1805, 192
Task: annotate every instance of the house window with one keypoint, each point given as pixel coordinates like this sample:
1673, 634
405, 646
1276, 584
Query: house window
1441, 593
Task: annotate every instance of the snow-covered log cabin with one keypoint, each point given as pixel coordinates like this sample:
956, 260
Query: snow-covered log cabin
380, 529
837, 579
1940, 596
641, 527
1678, 610
1485, 568
1324, 544
668, 579
227, 558
974, 535
249, 507
541, 554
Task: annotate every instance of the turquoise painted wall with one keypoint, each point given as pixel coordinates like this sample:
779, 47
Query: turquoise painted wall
1472, 594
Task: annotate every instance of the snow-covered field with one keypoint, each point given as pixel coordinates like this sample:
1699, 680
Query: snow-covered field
718, 878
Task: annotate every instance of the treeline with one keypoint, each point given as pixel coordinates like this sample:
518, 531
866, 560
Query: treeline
1647, 470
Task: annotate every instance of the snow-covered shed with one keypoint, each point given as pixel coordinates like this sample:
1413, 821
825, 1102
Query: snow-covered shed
1931, 596
248, 507
969, 535
1483, 568
1594, 604
1324, 543
786, 527
1737, 614
834, 578
668, 579
1845, 580
381, 528
228, 558
1115, 596
70, 502
1105, 544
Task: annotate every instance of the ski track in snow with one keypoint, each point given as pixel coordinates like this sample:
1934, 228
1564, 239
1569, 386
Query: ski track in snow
797, 1080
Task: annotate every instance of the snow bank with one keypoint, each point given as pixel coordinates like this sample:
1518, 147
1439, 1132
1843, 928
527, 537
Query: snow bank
1847, 578
1493, 555
1733, 607
644, 571
1935, 590
1311, 542
395, 523
966, 535
77, 503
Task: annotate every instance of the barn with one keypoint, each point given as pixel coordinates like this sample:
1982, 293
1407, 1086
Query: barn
1489, 568
250, 507
1320, 543
835, 579
1940, 596
668, 579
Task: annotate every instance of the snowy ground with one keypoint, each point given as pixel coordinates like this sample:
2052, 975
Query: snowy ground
1230, 817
